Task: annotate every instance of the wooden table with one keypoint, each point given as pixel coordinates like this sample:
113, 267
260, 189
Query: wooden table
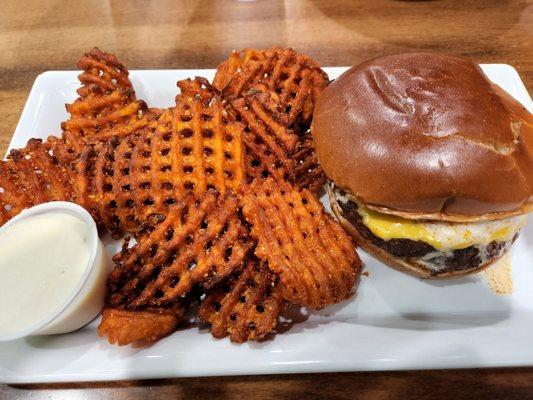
36, 36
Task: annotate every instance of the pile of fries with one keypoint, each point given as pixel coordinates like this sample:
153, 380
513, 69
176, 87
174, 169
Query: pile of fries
216, 196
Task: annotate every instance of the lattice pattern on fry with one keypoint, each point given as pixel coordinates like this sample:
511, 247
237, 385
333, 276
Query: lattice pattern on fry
85, 182
107, 105
266, 154
199, 88
112, 184
13, 199
313, 256
307, 172
103, 70
246, 306
272, 149
266, 124
46, 178
124, 327
195, 147
32, 176
67, 148
294, 79
196, 242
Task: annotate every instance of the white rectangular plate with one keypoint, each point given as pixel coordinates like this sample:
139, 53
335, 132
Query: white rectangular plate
394, 322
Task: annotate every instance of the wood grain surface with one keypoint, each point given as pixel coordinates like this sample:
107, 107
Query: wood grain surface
36, 36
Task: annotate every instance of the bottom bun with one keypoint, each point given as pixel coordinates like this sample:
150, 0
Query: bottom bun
401, 264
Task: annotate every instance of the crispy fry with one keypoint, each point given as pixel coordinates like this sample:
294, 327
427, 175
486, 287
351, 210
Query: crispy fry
198, 88
112, 183
314, 257
307, 172
31, 176
294, 79
107, 105
266, 124
194, 148
246, 306
67, 148
196, 242
46, 179
141, 327
13, 198
265, 153
272, 149
84, 182
103, 70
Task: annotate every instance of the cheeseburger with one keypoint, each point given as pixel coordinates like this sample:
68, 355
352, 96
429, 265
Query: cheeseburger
430, 165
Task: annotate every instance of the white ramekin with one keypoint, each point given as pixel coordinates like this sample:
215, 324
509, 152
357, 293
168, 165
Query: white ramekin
86, 300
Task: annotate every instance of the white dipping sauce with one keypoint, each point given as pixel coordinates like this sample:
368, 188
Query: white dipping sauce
42, 260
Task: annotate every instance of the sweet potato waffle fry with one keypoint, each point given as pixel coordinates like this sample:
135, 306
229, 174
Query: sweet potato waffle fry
307, 172
266, 124
195, 147
199, 88
274, 150
142, 327
66, 148
13, 199
246, 306
313, 256
46, 178
294, 79
113, 195
84, 180
196, 242
107, 105
32, 176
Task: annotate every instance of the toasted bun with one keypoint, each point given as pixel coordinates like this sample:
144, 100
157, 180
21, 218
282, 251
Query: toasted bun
426, 136
396, 262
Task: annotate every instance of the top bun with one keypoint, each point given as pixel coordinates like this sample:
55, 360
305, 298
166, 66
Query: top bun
425, 135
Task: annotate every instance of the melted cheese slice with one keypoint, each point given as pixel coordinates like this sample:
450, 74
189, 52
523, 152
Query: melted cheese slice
443, 236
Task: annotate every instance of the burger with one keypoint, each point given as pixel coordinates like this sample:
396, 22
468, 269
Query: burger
429, 164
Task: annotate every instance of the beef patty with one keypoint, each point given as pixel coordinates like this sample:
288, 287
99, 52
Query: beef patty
456, 260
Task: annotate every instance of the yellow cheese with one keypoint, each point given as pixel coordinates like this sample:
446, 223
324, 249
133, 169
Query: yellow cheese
501, 233
440, 235
389, 227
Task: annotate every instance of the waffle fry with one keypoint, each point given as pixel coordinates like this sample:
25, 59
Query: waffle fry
197, 242
46, 179
195, 147
103, 70
112, 184
272, 149
264, 138
67, 148
124, 327
32, 176
307, 172
13, 199
245, 307
107, 105
198, 88
314, 257
266, 124
292, 78
84, 181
